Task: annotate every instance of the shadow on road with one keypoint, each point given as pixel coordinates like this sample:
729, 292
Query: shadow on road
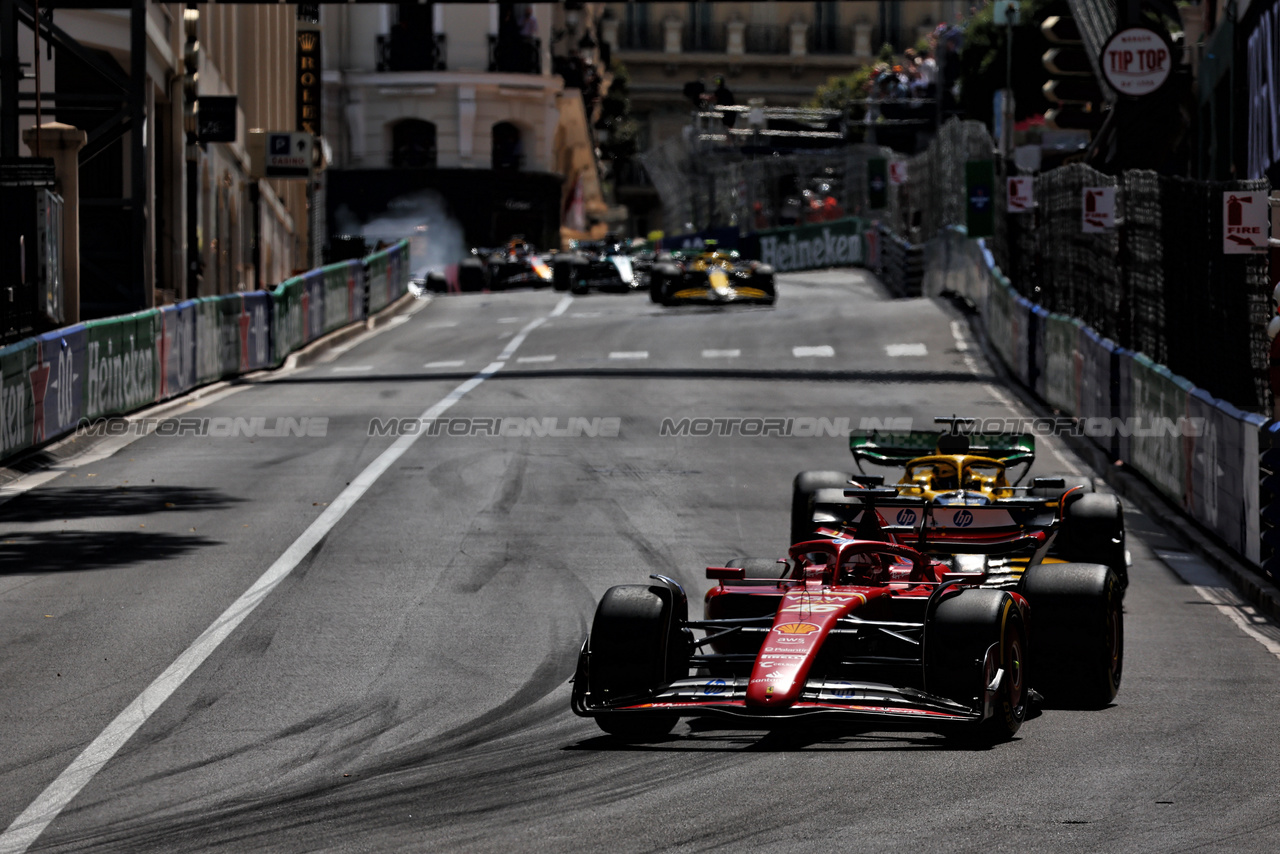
75, 551
88, 502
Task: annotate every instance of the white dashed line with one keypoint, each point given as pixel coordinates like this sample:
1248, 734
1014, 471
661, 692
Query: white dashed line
524, 359
587, 314
821, 351
508, 320
442, 324
353, 369
721, 354
629, 354
452, 363
898, 350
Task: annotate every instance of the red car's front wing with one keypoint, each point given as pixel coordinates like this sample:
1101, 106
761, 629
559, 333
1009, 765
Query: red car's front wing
894, 708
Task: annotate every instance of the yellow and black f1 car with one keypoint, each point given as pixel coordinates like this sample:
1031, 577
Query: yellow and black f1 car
955, 468
710, 276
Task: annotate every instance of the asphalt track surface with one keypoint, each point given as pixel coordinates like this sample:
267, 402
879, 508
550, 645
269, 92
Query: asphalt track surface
404, 685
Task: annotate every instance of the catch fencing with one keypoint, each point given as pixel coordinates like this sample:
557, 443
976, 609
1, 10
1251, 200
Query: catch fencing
53, 382
1158, 283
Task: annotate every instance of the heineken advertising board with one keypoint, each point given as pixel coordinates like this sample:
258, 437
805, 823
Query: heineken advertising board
810, 247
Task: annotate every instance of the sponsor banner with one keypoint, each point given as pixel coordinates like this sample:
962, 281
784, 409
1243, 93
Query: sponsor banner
1222, 471
840, 243
1061, 388
254, 324
979, 188
176, 349
1039, 316
121, 368
312, 306
16, 408
1156, 396
1024, 340
1002, 321
287, 333
208, 341
55, 379
1097, 381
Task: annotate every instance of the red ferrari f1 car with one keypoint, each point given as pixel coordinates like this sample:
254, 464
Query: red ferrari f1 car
862, 627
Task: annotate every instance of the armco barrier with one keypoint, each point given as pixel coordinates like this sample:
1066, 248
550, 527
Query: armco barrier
51, 383
1153, 408
1060, 375
1223, 482
1202, 453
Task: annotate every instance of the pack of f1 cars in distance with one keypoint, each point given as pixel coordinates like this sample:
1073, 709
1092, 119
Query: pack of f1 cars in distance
971, 469
887, 627
710, 276
518, 264
597, 264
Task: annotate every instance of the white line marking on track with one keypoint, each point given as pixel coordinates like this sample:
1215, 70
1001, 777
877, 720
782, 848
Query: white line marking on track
1214, 589
448, 363
28, 826
629, 354
587, 314
721, 354
526, 359
561, 306
441, 324
821, 351
508, 320
352, 369
899, 350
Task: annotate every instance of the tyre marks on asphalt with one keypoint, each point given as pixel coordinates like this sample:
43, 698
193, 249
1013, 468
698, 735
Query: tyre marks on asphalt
31, 823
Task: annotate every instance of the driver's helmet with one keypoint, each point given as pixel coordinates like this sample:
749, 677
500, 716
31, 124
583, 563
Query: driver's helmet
865, 568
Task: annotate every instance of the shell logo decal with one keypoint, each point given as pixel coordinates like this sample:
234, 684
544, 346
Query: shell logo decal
796, 628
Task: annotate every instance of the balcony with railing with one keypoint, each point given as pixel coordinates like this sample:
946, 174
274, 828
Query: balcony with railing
515, 54
830, 40
405, 50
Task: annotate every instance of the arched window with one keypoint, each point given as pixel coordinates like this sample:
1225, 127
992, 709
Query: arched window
508, 152
413, 144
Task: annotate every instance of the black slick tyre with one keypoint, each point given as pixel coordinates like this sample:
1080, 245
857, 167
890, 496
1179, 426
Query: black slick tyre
472, 276
1094, 533
630, 655
804, 486
970, 637
562, 274
1077, 634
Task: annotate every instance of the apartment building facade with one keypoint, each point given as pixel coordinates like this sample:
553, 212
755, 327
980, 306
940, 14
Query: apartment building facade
777, 52
142, 240
479, 106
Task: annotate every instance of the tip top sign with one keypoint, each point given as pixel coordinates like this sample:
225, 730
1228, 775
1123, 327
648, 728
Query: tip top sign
1136, 61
